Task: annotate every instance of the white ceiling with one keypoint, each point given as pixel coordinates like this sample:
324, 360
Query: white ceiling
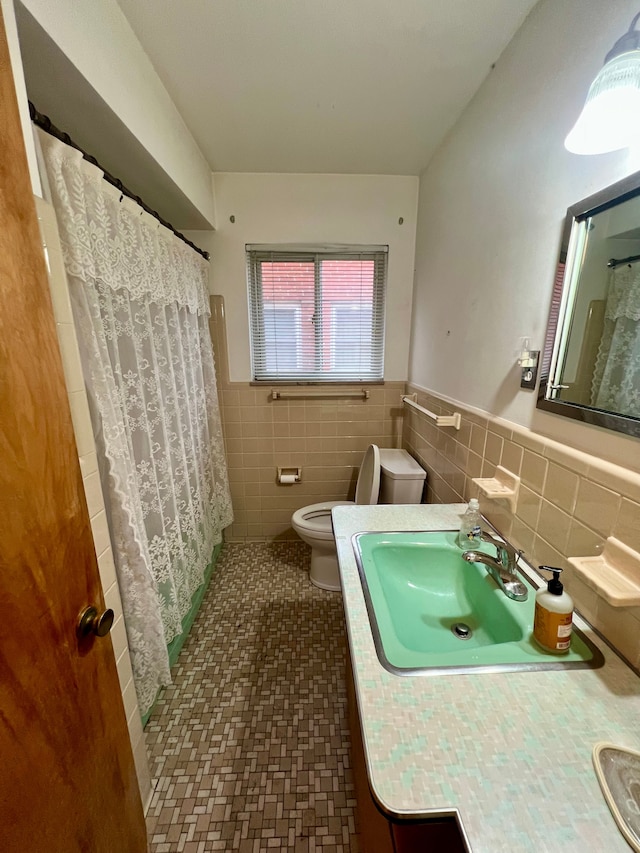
329, 86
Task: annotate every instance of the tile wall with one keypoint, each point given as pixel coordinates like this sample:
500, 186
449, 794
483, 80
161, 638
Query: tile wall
91, 478
325, 437
569, 502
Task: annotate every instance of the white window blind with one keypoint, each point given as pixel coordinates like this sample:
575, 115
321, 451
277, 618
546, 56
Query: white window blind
317, 314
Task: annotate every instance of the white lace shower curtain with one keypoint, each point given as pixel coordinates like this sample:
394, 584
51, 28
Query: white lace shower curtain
616, 377
141, 306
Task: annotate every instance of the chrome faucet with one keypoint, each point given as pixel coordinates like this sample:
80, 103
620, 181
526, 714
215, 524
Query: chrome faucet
502, 567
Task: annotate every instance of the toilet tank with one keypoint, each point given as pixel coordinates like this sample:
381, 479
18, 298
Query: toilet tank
401, 478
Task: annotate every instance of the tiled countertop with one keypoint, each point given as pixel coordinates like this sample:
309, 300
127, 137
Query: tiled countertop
509, 752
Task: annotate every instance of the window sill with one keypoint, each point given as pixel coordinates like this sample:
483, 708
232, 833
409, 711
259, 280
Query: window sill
280, 383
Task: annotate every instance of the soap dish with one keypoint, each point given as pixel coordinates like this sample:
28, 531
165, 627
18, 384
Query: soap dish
618, 772
614, 574
503, 485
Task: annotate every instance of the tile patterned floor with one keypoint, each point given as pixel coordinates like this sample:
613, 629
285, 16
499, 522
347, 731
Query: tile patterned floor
250, 746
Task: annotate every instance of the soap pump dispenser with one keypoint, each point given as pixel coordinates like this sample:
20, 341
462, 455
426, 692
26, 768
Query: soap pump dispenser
552, 623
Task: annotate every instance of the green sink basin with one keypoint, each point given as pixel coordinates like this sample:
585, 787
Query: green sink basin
431, 610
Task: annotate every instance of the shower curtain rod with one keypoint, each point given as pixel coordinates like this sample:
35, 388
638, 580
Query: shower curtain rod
615, 262
47, 125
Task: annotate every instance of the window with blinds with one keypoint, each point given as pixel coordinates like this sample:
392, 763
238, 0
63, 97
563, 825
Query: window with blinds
317, 314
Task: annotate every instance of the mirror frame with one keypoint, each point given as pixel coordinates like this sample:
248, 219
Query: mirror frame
611, 196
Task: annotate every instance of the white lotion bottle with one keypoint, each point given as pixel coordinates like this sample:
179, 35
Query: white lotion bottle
553, 618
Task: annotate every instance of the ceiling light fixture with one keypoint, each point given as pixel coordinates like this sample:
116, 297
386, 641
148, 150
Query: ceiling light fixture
610, 118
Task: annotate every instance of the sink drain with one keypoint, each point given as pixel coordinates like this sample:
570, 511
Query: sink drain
461, 631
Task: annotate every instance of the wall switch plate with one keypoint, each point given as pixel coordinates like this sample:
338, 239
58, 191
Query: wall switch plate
530, 372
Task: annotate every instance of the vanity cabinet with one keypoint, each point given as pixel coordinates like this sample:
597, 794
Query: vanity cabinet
380, 833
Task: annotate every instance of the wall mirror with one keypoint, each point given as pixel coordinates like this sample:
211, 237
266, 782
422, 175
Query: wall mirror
590, 366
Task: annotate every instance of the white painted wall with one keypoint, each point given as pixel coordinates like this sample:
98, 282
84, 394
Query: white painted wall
97, 38
288, 208
492, 203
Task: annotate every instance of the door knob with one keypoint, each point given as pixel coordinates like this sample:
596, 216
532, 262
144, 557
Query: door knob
92, 622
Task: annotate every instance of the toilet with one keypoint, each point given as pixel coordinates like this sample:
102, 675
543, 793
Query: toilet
386, 476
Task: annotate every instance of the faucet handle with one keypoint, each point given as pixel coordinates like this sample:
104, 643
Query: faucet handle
517, 553
507, 554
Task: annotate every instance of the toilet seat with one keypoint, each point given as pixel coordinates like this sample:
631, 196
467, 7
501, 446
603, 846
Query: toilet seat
316, 518
313, 523
368, 485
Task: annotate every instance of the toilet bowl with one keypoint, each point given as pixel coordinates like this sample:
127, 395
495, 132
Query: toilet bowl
313, 523
402, 482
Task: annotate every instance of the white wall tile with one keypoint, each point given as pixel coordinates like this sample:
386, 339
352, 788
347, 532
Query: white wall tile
88, 463
125, 673
70, 356
107, 569
135, 726
93, 494
100, 530
112, 600
130, 699
143, 772
82, 428
55, 265
119, 637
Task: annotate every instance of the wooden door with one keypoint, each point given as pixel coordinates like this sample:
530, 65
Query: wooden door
67, 778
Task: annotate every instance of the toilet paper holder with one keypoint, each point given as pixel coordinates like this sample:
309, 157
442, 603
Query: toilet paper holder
289, 475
